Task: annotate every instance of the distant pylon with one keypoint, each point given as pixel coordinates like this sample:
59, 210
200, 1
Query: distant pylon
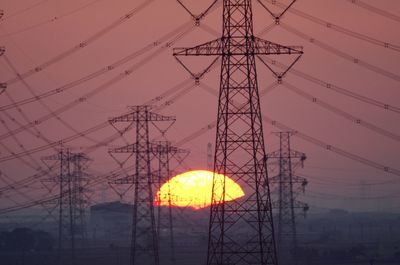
144, 238
240, 231
165, 151
71, 201
286, 203
80, 194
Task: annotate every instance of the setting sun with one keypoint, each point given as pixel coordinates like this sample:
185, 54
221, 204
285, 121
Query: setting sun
193, 189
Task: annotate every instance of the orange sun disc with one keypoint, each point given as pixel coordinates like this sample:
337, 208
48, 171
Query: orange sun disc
194, 188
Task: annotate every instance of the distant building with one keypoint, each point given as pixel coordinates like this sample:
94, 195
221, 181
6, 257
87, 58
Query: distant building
111, 222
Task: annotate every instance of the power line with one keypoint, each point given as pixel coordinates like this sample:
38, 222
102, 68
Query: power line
375, 10
341, 113
21, 11
341, 54
338, 89
82, 44
122, 75
327, 146
51, 20
106, 69
104, 142
337, 28
334, 149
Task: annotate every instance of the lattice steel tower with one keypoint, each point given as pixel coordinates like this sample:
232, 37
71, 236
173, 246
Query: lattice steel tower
240, 231
286, 204
165, 151
80, 181
144, 238
3, 86
71, 201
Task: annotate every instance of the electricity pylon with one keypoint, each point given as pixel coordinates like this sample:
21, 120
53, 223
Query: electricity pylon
240, 231
165, 151
80, 195
144, 238
71, 201
3, 86
286, 203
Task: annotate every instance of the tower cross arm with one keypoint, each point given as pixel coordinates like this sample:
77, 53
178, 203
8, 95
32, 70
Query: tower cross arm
264, 47
124, 180
58, 156
301, 180
158, 117
211, 48
165, 147
133, 116
296, 205
156, 147
290, 154
131, 148
80, 157
216, 48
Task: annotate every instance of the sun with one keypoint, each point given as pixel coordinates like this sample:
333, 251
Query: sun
193, 189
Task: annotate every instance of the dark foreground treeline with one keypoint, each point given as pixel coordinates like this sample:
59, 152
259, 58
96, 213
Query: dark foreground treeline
331, 238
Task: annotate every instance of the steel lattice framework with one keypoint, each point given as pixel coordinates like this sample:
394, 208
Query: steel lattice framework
71, 202
3, 86
241, 231
165, 151
287, 204
144, 238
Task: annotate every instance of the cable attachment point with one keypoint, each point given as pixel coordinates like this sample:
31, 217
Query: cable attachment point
276, 16
3, 87
199, 75
197, 80
197, 20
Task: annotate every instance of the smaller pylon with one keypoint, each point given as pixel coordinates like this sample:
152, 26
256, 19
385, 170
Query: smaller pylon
286, 203
81, 195
165, 151
71, 202
144, 238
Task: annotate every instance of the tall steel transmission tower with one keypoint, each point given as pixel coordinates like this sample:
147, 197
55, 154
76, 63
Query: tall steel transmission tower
3, 86
240, 231
286, 203
144, 238
71, 202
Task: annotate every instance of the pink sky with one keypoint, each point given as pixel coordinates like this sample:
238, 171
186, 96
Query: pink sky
35, 32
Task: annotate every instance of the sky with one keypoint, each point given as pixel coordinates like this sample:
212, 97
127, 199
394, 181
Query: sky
96, 58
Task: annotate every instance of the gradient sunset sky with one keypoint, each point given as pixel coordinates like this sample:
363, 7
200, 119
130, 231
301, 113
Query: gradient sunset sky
347, 47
